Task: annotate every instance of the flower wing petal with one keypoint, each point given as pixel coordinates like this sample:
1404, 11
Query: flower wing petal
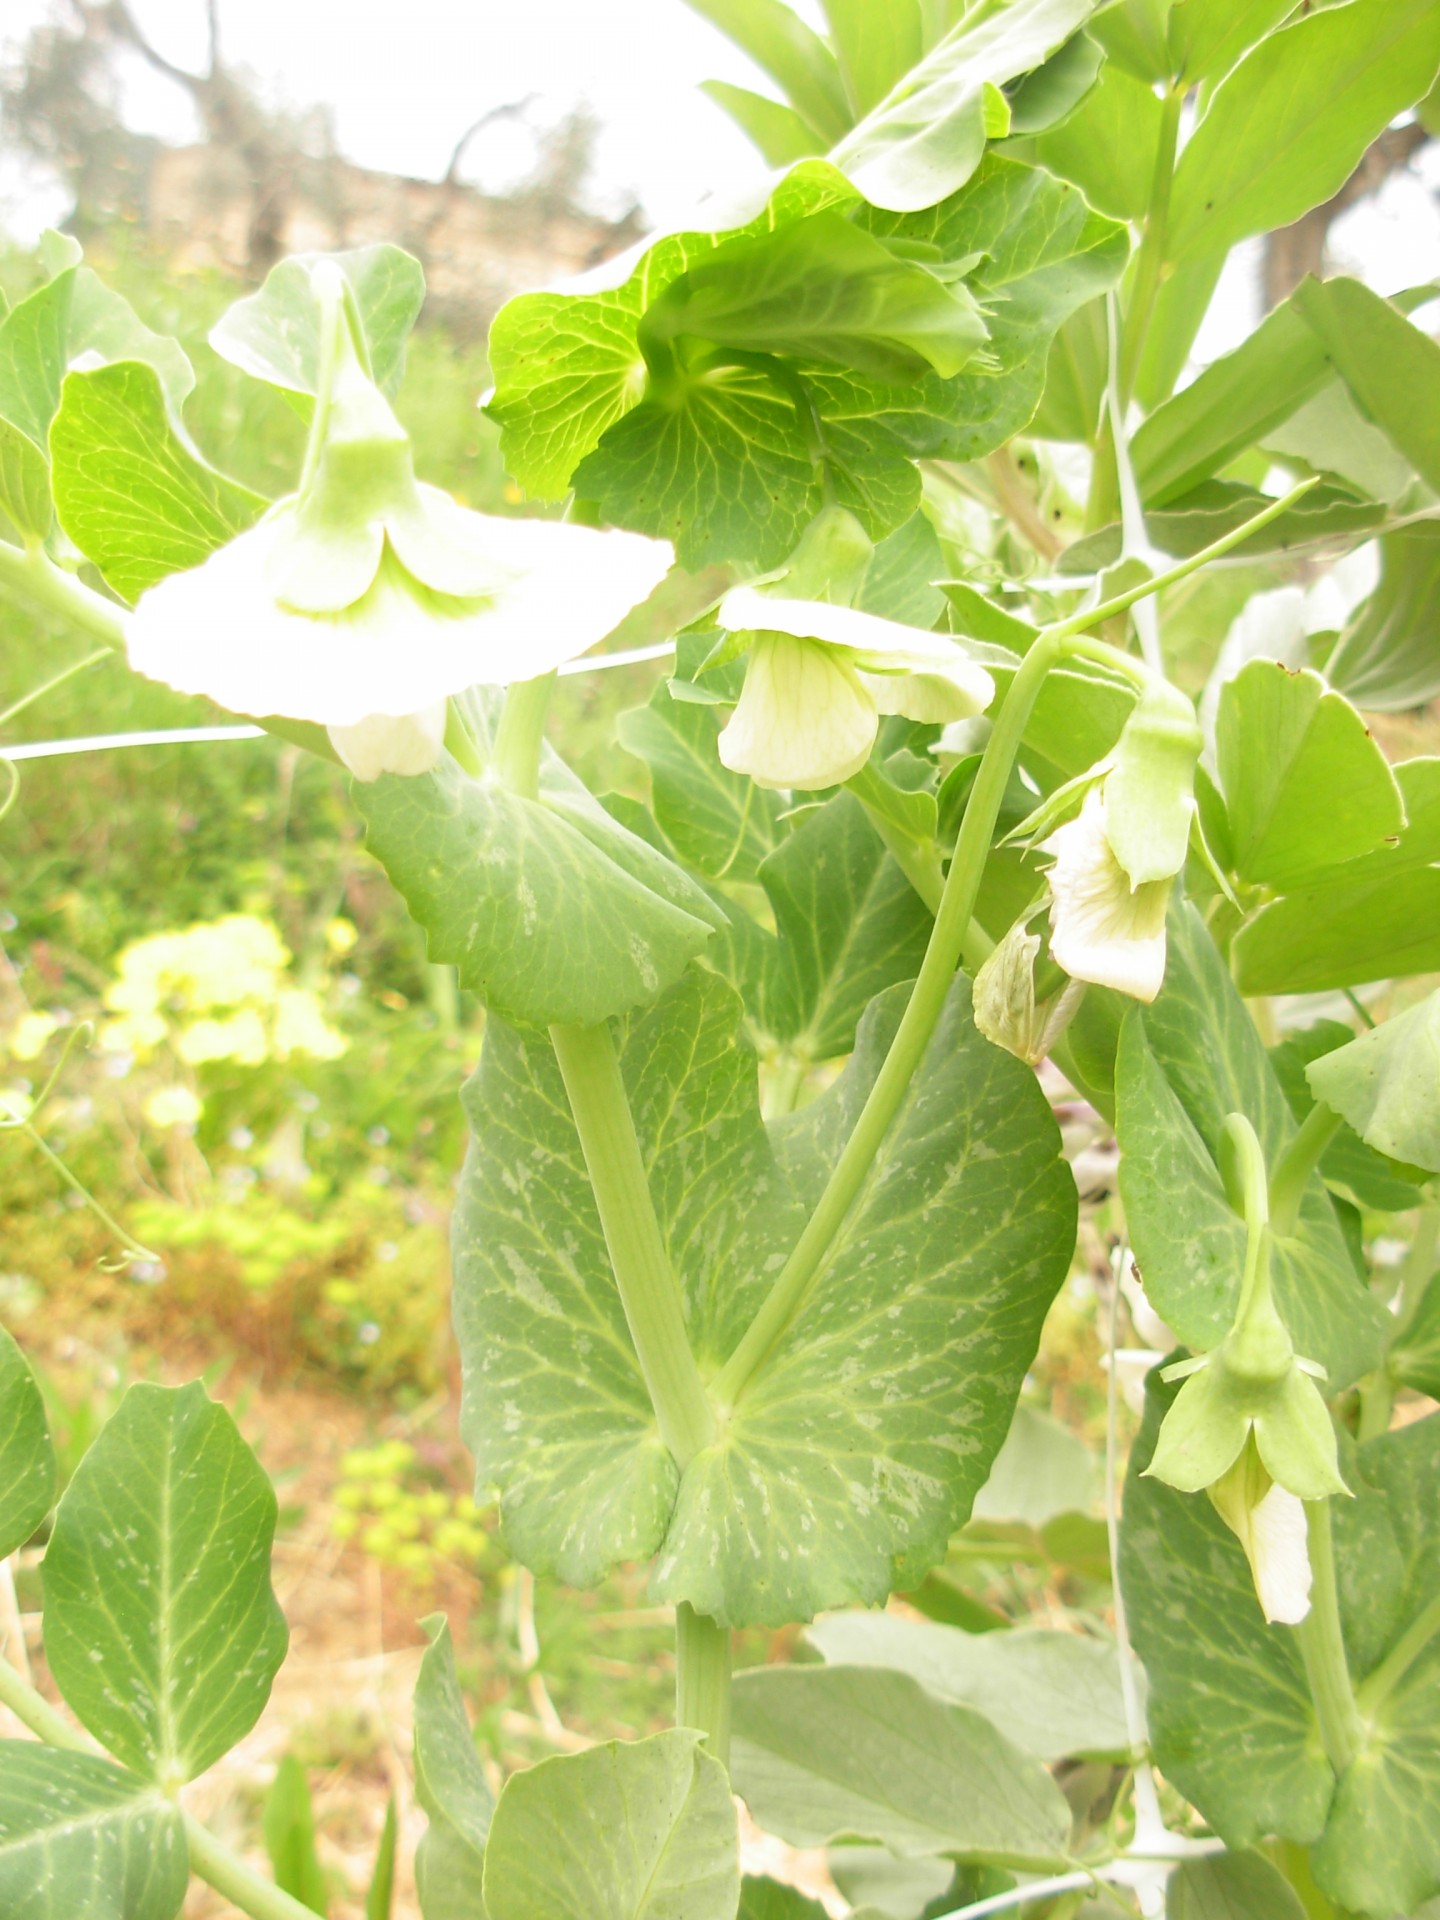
804, 719
1102, 929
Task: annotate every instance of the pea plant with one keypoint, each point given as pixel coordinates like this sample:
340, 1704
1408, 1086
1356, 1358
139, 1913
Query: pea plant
765, 1204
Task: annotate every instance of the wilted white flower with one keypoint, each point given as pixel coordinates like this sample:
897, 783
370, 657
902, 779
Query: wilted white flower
1103, 929
365, 599
820, 676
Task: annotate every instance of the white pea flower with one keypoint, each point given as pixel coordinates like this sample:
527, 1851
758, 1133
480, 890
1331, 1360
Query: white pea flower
365, 599
1102, 928
1269, 1522
820, 676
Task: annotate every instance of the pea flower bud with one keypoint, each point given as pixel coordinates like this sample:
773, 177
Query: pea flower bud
1116, 862
1249, 1424
365, 599
1003, 999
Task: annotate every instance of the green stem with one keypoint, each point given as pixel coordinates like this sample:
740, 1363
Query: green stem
1151, 259
212, 1861
1297, 1163
912, 1037
947, 938
34, 575
56, 680
1322, 1647
702, 1679
648, 1290
1418, 1265
920, 865
1377, 1687
230, 1877
520, 734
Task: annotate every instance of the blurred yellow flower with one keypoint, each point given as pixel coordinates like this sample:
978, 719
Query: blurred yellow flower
31, 1034
173, 1107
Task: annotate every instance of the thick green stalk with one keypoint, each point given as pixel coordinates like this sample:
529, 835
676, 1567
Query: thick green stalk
230, 1876
702, 1679
648, 1289
1297, 1163
932, 985
31, 572
521, 731
1322, 1647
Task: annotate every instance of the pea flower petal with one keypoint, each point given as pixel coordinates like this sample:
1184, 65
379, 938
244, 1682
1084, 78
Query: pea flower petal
804, 717
1270, 1523
1103, 929
820, 676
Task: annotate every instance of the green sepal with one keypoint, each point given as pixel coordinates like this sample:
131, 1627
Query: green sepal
1203, 1435
1295, 1437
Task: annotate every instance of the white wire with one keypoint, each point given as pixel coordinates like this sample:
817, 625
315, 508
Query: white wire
199, 736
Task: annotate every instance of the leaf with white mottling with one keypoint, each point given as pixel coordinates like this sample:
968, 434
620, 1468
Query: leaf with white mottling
81, 1839
27, 1453
161, 1628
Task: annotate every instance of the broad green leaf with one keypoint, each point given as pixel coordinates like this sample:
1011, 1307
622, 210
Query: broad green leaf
1415, 1356
1228, 407
1075, 376
829, 1480
1194, 519
1231, 1724
568, 366
1230, 1886
1375, 918
1048, 96
274, 334
1043, 1469
450, 1785
1135, 35
1385, 1084
27, 1453
73, 316
555, 1409
848, 924
1208, 37
128, 490
642, 1831
161, 1628
821, 1754
728, 466
1175, 321
1108, 145
81, 1839
845, 1467
765, 1899
1388, 363
1381, 1848
780, 133
1287, 127
821, 289
1306, 787
876, 46
288, 1825
1185, 1064
1375, 927
926, 140
876, 1881
549, 909
793, 55
899, 583
1329, 434
718, 821
1357, 1172
1053, 1694
1387, 658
